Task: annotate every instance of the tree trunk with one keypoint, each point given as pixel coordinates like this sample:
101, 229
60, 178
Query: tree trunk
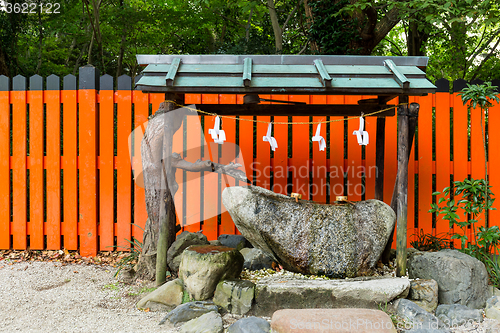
157, 191
278, 33
416, 40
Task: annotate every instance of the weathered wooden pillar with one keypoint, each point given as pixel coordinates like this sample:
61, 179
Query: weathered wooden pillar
405, 140
412, 124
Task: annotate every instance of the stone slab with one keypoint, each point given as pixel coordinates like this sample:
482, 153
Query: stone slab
332, 321
279, 292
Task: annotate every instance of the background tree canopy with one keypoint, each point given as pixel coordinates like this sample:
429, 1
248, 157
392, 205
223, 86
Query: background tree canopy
461, 37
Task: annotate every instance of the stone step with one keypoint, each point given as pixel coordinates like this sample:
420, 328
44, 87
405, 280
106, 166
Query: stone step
332, 321
281, 292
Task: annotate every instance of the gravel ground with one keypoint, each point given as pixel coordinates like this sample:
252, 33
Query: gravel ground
56, 297
51, 297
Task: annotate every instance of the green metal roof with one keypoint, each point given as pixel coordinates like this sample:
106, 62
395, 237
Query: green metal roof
258, 74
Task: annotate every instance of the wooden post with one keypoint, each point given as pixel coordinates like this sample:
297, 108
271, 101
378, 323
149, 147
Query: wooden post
412, 124
379, 159
402, 190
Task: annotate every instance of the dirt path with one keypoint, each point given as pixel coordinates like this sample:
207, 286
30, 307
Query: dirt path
51, 297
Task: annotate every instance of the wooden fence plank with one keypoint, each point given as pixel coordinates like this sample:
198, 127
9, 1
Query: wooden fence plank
280, 160
442, 150
123, 99
494, 160
194, 148
354, 165
141, 105
300, 151
53, 110
477, 155
336, 165
370, 155
263, 155
177, 147
228, 154
18, 100
36, 133
210, 180
425, 163
319, 166
107, 166
460, 152
70, 189
87, 119
5, 193
390, 163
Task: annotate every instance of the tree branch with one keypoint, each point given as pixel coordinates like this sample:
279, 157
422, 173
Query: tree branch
199, 166
290, 15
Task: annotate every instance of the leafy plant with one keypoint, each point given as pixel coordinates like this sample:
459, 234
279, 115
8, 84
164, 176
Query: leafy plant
135, 249
477, 197
429, 242
481, 95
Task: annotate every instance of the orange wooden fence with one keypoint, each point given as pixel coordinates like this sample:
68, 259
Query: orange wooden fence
67, 177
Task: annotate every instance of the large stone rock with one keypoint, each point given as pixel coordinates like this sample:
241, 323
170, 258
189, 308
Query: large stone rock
208, 323
311, 238
279, 292
169, 294
250, 325
203, 266
188, 311
256, 259
461, 278
235, 296
492, 309
418, 319
183, 241
424, 293
453, 315
332, 321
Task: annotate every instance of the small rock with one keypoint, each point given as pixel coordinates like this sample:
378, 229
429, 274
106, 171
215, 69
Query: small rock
183, 241
461, 278
256, 259
208, 323
424, 293
419, 318
250, 325
456, 314
331, 321
189, 311
169, 294
236, 296
203, 266
492, 310
215, 242
235, 241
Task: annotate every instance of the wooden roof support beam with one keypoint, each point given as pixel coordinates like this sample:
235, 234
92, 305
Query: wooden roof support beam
247, 72
325, 77
398, 76
172, 71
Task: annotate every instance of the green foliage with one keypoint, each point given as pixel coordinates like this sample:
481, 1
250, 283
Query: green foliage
476, 198
333, 33
479, 94
429, 242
